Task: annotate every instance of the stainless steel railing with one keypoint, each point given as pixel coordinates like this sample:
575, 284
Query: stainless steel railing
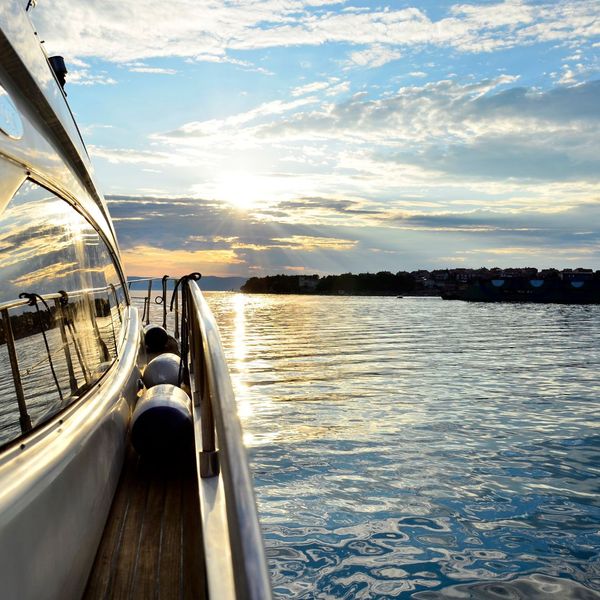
222, 450
60, 302
163, 299
222, 447
17, 302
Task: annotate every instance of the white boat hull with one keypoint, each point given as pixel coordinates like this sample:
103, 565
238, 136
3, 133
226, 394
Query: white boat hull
56, 488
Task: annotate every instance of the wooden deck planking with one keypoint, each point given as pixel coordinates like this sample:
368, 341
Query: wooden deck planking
101, 582
171, 560
126, 554
148, 557
193, 555
152, 545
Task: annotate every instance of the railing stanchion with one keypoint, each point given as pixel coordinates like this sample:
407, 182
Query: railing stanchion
164, 282
91, 303
148, 301
176, 332
75, 337
65, 342
24, 418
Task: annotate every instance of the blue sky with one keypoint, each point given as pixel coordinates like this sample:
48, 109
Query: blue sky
296, 136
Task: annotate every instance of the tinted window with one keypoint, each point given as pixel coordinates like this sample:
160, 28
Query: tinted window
64, 345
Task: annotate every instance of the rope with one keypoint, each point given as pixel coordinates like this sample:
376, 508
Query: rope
182, 283
34, 366
33, 301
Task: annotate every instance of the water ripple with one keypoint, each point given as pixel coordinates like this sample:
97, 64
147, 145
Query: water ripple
421, 448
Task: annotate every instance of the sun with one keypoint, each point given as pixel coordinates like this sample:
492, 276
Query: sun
244, 191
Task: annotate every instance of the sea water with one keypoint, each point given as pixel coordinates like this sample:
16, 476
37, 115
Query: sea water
417, 447
420, 448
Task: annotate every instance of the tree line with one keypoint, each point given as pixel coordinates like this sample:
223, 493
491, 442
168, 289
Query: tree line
383, 283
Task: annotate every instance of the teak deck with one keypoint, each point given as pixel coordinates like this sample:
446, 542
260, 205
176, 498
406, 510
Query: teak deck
152, 546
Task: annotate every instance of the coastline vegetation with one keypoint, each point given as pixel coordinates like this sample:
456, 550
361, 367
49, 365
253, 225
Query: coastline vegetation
440, 282
383, 283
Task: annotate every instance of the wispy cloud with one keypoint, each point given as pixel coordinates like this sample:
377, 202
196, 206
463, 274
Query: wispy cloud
140, 67
310, 88
87, 77
198, 30
220, 240
441, 145
374, 56
204, 129
128, 156
315, 134
486, 130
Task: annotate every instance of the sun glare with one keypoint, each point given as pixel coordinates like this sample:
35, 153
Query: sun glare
243, 191
247, 191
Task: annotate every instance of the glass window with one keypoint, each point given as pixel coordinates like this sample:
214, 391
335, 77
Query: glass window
54, 349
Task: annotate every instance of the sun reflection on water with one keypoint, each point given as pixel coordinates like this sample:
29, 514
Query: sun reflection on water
242, 395
419, 448
239, 334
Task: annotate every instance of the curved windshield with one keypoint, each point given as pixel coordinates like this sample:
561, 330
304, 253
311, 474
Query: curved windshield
61, 305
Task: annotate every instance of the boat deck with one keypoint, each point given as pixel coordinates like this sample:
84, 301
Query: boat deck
151, 547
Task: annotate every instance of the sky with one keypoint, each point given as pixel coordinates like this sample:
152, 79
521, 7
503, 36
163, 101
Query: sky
242, 137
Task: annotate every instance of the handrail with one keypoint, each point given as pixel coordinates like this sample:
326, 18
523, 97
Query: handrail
17, 302
58, 299
146, 310
25, 301
213, 395
131, 282
142, 280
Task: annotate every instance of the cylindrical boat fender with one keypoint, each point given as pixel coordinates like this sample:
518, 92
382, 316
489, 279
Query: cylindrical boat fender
161, 425
155, 337
162, 369
172, 345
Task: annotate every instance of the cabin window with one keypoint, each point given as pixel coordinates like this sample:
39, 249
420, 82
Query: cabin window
55, 348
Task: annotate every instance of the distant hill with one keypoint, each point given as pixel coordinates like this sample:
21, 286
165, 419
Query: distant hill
208, 283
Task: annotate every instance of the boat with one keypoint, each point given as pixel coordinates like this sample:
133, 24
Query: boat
84, 513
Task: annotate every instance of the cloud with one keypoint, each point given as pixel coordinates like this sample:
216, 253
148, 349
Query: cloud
512, 156
310, 88
571, 253
564, 228
195, 222
362, 162
86, 77
217, 239
314, 162
140, 67
194, 234
478, 129
129, 156
152, 261
103, 28
90, 128
311, 242
203, 129
374, 56
310, 160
